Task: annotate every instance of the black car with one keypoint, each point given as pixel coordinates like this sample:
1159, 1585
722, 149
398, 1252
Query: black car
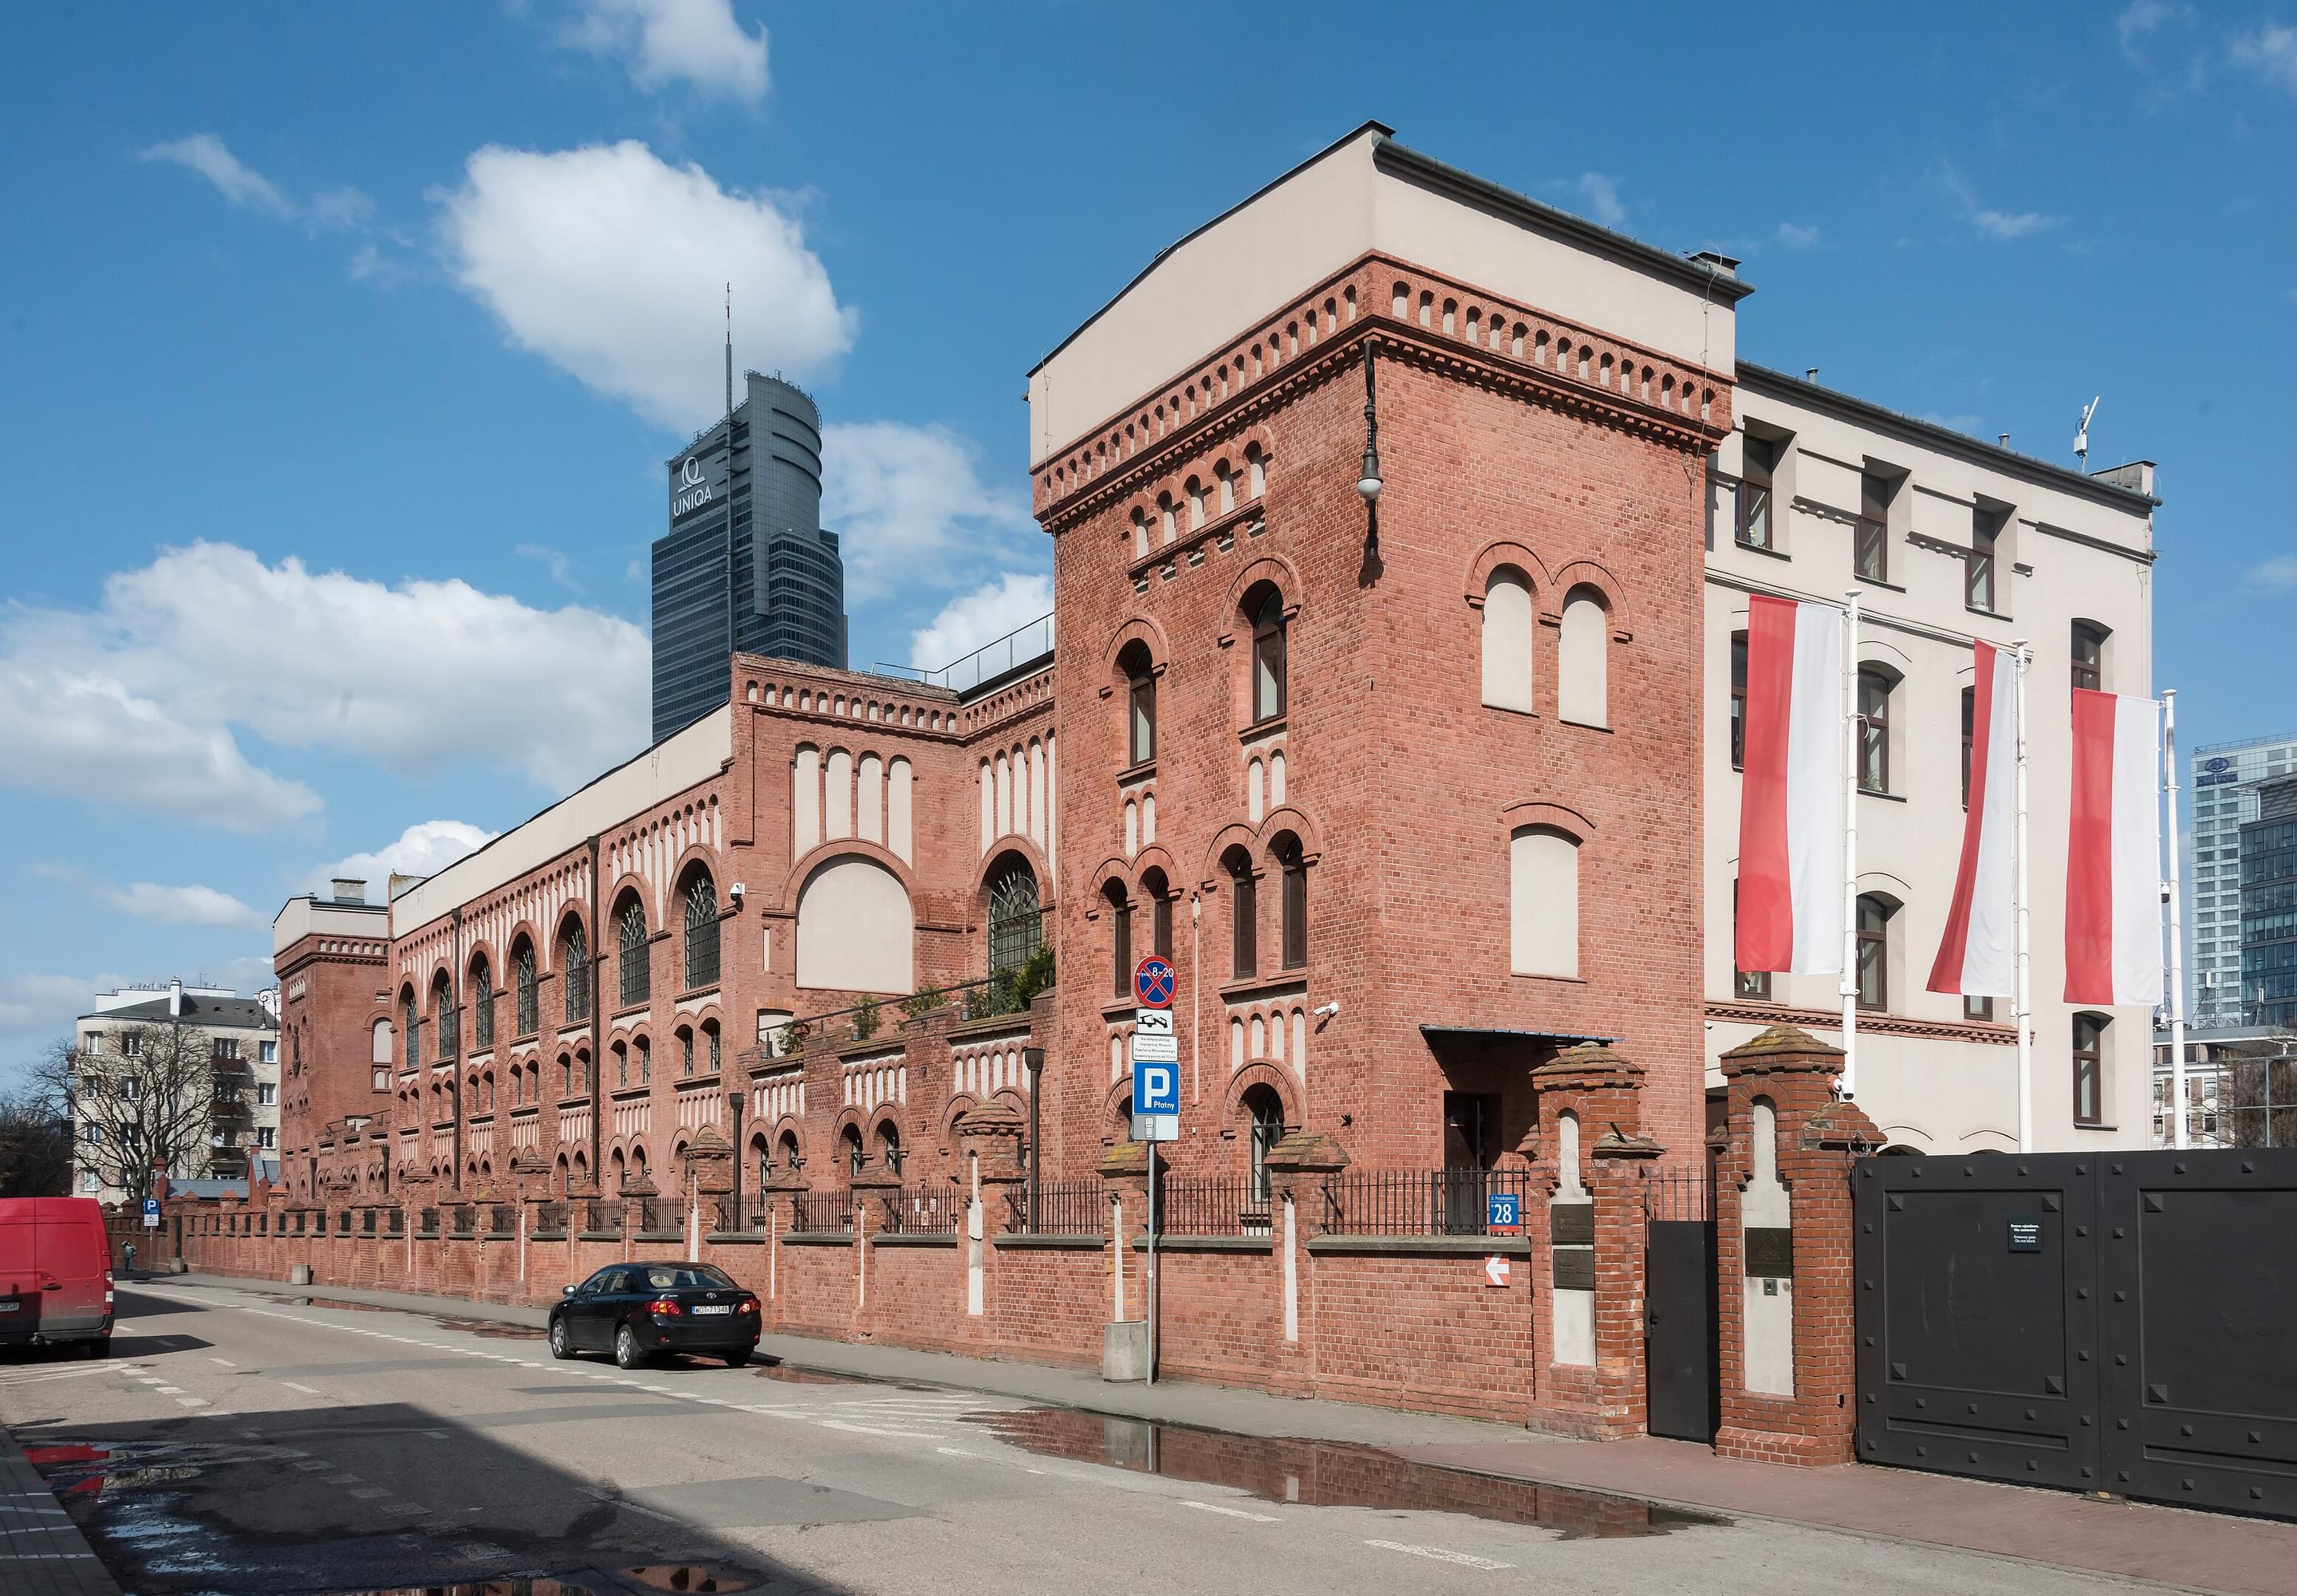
637, 1309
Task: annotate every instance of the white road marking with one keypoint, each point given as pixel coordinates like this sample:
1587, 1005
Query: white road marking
306, 1390
150, 1379
169, 1390
1214, 1507
369, 1493
870, 1429
192, 1401
226, 1362
1439, 1554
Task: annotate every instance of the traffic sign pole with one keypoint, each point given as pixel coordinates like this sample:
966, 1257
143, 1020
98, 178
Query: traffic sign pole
1155, 1095
1152, 1264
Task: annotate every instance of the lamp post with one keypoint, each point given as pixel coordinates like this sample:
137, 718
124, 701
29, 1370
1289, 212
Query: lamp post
1367, 482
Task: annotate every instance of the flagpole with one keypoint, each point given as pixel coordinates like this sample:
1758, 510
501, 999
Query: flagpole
2177, 920
1850, 846
2025, 1000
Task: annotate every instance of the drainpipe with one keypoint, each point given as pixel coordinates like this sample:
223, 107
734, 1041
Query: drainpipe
741, 1091
597, 1056
1034, 1057
454, 1013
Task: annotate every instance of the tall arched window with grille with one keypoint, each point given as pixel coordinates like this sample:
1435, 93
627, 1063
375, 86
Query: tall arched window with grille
631, 953
412, 1053
1268, 663
574, 970
701, 931
522, 979
483, 1004
1015, 925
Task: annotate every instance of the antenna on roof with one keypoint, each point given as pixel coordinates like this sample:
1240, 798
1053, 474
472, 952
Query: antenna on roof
729, 349
2081, 433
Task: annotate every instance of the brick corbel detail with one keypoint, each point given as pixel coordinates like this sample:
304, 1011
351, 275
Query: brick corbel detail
1604, 1401
1298, 1166
710, 1158
1820, 1138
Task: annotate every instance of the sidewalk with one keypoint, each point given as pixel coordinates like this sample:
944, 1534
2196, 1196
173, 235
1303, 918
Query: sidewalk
2164, 1545
41, 1550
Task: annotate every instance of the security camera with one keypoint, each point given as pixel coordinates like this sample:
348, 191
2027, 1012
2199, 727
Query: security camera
1328, 1010
736, 890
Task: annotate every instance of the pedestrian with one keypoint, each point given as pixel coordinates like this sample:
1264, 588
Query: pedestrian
127, 1256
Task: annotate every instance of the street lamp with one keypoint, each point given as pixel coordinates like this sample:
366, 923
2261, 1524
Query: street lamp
1367, 482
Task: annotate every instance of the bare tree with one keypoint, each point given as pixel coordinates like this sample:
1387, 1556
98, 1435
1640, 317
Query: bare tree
148, 1103
36, 1145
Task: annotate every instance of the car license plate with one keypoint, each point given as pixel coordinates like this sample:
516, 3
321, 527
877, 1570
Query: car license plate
8, 1304
713, 1308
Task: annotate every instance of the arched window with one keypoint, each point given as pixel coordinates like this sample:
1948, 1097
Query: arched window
1582, 689
710, 1030
1873, 731
565, 1075
1293, 916
787, 1151
889, 1147
1507, 639
412, 1047
1243, 914
443, 1017
1542, 902
701, 931
483, 1004
621, 1064
856, 1161
1016, 923
631, 951
2089, 1068
574, 970
1874, 914
1265, 1128
685, 1050
522, 976
1120, 941
1268, 656
1159, 894
1141, 703
380, 1051
646, 1061
2089, 656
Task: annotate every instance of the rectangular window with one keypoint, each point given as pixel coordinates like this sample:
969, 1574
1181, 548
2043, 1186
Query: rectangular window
1968, 737
2089, 656
1121, 945
227, 1047
1754, 490
1738, 701
1874, 732
1296, 913
92, 1044
1746, 983
1871, 539
267, 1136
1144, 718
1160, 924
2089, 1036
1977, 1008
266, 1094
1978, 573
1874, 955
131, 1046
1243, 910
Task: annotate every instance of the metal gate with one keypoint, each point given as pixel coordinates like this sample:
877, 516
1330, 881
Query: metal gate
1682, 1328
2114, 1323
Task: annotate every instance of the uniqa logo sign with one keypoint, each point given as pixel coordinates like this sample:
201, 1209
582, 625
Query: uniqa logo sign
692, 492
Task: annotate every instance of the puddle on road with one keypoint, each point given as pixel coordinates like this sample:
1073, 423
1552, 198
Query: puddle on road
801, 1376
1325, 1474
654, 1577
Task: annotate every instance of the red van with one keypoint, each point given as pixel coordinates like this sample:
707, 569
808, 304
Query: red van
55, 1272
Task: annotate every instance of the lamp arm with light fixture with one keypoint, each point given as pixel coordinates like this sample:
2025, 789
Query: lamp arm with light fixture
1367, 482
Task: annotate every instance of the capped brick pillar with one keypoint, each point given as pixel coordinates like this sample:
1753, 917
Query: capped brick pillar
1587, 1152
1298, 1166
1783, 1231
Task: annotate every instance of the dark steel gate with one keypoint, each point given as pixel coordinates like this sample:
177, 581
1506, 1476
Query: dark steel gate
1682, 1328
2116, 1322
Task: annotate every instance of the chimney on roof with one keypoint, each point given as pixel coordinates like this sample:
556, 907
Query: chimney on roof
348, 889
1726, 266
175, 998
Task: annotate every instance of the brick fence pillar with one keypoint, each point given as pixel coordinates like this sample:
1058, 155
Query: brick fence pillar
1588, 1153
1782, 1231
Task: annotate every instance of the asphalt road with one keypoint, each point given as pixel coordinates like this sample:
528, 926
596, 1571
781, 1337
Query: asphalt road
241, 1444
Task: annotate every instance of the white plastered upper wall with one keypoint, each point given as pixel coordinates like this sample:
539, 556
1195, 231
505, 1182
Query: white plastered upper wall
1330, 211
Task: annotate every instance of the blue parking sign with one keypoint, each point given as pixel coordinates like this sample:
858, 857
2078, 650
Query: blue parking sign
1502, 1212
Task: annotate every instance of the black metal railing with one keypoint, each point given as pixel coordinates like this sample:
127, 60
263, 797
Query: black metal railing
602, 1216
1423, 1202
367, 1222
398, 1221
1685, 1193
659, 1214
551, 1217
1211, 1205
430, 1221
823, 1212
462, 1220
920, 1210
1059, 1208
502, 1220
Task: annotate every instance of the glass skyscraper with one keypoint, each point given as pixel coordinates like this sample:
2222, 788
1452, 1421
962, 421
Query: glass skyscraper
746, 566
2226, 779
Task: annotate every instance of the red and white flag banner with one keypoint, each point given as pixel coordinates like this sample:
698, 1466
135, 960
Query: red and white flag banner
2113, 852
1977, 956
1790, 821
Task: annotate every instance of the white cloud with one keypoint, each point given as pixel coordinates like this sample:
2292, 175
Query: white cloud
697, 42
982, 616
2275, 575
2136, 23
2003, 227
1794, 235
612, 264
910, 508
138, 701
342, 206
240, 184
1601, 195
41, 1007
179, 905
2270, 53
422, 849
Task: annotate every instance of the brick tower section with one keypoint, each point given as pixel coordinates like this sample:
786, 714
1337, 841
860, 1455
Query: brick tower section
330, 983
1400, 785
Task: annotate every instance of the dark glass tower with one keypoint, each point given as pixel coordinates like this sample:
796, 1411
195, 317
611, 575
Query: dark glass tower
746, 564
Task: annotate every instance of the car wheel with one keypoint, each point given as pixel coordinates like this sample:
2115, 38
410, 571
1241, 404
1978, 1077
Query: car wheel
737, 1356
627, 1353
562, 1344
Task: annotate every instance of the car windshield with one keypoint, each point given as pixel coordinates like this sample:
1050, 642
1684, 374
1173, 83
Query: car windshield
676, 1277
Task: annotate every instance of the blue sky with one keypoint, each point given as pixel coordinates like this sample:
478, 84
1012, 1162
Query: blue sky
343, 346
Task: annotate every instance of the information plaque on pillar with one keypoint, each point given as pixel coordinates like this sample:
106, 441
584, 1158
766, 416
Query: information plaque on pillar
1156, 1102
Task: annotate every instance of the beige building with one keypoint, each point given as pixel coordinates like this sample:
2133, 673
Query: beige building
240, 1135
1948, 539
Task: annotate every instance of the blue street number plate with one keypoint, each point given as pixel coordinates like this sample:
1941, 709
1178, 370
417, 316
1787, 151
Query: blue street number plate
719, 1308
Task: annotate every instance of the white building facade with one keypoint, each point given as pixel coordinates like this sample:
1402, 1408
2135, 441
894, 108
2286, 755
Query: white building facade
1949, 540
242, 1132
